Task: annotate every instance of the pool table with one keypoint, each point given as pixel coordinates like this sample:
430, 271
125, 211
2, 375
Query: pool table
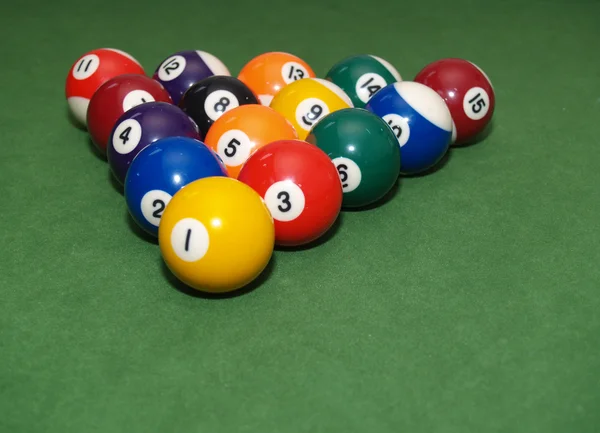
467, 301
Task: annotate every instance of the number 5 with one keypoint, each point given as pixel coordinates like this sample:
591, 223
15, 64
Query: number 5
478, 106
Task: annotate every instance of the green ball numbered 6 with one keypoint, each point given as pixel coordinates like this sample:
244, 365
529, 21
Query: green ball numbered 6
362, 76
365, 152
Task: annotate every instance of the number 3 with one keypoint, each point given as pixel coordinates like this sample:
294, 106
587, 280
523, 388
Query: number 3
284, 196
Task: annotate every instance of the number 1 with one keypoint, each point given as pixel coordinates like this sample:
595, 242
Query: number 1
187, 239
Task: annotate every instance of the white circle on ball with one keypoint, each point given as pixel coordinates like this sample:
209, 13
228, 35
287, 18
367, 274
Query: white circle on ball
171, 68
135, 98
190, 240
368, 84
219, 102
127, 136
350, 174
293, 71
476, 103
310, 111
285, 200
86, 66
399, 127
234, 147
153, 205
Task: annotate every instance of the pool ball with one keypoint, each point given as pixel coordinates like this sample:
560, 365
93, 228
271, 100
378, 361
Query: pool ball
142, 126
306, 101
420, 120
92, 70
115, 97
179, 71
238, 133
216, 235
267, 73
160, 170
361, 76
364, 150
300, 186
468, 92
209, 99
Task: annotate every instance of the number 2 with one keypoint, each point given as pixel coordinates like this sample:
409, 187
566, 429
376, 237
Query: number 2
284, 196
161, 207
172, 65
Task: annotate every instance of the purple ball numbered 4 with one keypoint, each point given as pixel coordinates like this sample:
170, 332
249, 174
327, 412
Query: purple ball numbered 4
141, 126
181, 70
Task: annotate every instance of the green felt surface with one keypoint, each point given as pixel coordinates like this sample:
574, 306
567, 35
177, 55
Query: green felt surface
467, 303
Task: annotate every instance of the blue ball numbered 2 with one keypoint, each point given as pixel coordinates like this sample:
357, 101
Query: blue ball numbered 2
160, 170
420, 120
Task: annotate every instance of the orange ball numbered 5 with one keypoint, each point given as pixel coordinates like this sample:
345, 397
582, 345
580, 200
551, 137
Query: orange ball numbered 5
216, 235
238, 133
305, 102
268, 73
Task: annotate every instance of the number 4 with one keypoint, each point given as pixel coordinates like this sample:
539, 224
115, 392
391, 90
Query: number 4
124, 136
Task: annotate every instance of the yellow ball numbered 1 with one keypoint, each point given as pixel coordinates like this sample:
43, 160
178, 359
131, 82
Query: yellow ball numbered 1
304, 102
216, 235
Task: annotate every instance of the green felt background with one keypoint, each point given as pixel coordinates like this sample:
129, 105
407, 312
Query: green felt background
468, 303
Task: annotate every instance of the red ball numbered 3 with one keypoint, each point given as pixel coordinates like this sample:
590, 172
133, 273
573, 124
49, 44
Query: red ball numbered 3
468, 93
300, 186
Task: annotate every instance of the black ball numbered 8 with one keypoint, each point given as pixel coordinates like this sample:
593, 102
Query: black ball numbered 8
208, 99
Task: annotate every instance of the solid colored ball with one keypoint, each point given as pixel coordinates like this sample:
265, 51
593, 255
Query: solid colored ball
160, 170
216, 235
420, 120
210, 98
362, 76
238, 133
267, 73
306, 101
364, 150
300, 186
142, 126
179, 71
92, 70
468, 93
117, 96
